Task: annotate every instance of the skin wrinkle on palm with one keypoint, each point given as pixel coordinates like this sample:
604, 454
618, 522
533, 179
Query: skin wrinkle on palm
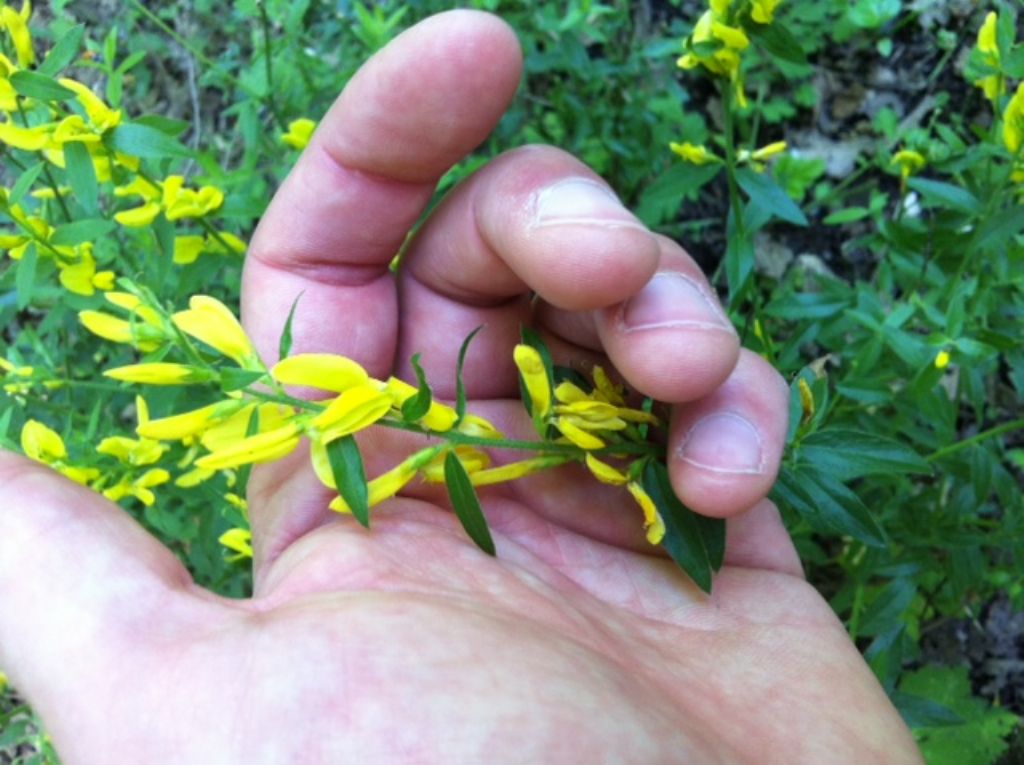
406, 644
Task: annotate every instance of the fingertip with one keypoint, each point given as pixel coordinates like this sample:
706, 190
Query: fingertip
670, 338
727, 447
440, 86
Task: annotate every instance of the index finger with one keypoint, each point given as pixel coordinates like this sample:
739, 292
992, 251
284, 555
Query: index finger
417, 107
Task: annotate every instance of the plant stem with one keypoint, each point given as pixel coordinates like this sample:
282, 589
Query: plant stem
998, 430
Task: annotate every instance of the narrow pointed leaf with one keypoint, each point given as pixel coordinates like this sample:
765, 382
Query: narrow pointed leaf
460, 385
82, 176
467, 504
695, 544
285, 344
416, 406
350, 476
64, 52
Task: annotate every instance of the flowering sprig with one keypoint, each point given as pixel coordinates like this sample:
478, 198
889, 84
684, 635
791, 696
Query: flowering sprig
254, 419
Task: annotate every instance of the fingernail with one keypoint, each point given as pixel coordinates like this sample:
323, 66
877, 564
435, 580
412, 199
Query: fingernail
577, 201
671, 299
725, 443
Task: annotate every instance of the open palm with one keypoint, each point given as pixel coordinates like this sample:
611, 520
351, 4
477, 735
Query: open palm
579, 643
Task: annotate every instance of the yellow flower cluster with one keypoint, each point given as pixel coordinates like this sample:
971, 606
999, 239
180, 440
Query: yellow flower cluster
718, 39
298, 134
994, 85
74, 126
590, 421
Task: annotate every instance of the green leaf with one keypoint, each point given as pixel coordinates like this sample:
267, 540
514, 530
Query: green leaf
766, 193
661, 200
995, 231
350, 476
76, 232
466, 503
82, 176
847, 215
778, 41
979, 740
64, 52
143, 141
25, 276
696, 544
847, 454
827, 505
233, 378
417, 406
35, 85
24, 183
920, 712
284, 346
167, 125
946, 195
460, 385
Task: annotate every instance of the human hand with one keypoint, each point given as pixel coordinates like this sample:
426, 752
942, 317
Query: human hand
579, 642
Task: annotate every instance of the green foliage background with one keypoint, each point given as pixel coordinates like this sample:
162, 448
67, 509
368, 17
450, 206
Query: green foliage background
902, 488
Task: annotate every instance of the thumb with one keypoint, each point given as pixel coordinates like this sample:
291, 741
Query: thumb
83, 588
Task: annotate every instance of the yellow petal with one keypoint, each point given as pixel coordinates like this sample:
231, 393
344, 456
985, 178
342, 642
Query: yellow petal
514, 470
181, 426
78, 278
100, 115
264, 447
237, 425
535, 379
653, 522
212, 322
324, 371
299, 133
138, 217
27, 139
237, 540
472, 459
158, 373
987, 40
354, 410
604, 472
187, 249
17, 28
42, 444
577, 435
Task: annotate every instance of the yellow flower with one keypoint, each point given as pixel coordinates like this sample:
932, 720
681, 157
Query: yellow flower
324, 371
514, 470
212, 322
354, 410
236, 426
474, 425
385, 485
120, 331
17, 27
763, 11
908, 161
604, 472
769, 151
158, 373
180, 202
942, 359
693, 153
181, 426
238, 541
535, 378
82, 278
140, 487
264, 447
571, 430
987, 40
806, 398
1013, 121
653, 522
187, 249
299, 133
131, 451
101, 116
473, 459
26, 139
137, 217
42, 444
